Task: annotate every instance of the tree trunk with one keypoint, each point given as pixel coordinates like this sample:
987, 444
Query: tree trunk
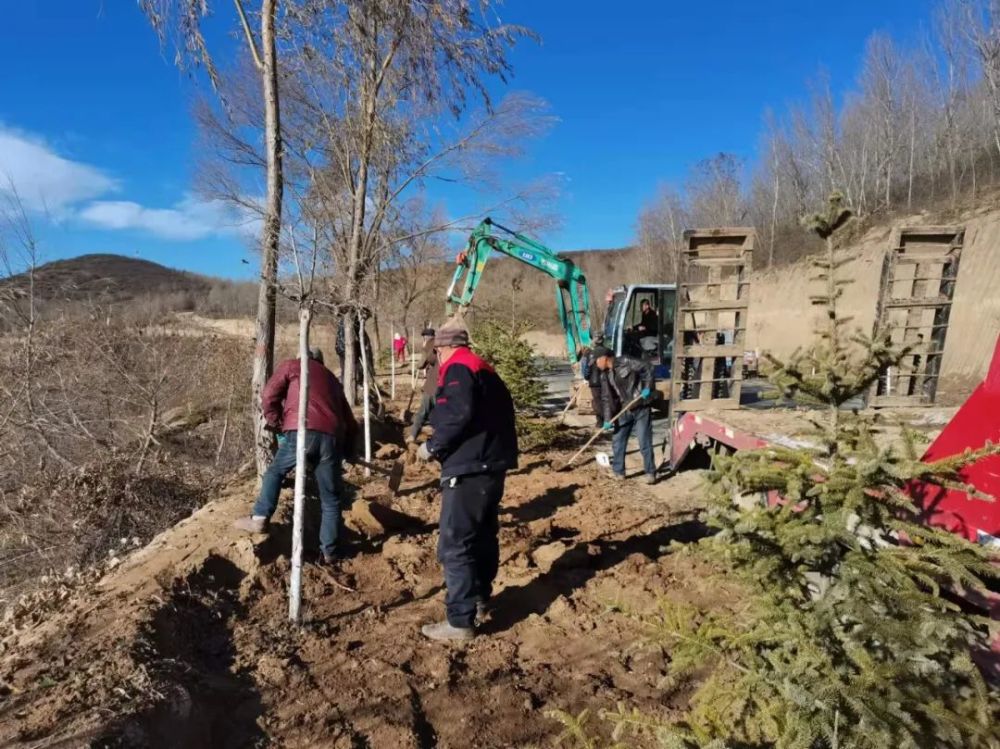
350, 371
913, 148
295, 583
263, 360
365, 399
774, 221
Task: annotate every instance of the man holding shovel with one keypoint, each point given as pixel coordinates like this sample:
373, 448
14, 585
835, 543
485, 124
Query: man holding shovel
476, 443
625, 380
429, 366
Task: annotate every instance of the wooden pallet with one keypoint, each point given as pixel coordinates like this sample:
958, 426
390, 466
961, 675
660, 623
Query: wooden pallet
713, 295
917, 288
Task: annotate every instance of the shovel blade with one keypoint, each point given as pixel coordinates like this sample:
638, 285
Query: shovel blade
396, 477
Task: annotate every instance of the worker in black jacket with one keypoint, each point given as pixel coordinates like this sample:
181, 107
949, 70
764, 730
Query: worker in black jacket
624, 380
592, 375
476, 443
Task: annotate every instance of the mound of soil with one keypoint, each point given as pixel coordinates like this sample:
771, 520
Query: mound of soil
188, 643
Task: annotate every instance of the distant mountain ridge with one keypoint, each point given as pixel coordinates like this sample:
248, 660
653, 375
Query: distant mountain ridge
107, 277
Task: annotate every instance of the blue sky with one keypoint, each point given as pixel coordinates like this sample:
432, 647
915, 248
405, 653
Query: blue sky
96, 127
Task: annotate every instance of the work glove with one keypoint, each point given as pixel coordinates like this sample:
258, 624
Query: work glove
282, 439
607, 426
645, 393
423, 453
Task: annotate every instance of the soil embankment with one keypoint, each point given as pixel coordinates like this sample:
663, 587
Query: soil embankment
782, 319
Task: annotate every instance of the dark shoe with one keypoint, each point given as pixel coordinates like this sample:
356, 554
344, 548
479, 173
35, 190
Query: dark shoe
251, 524
445, 632
483, 609
650, 478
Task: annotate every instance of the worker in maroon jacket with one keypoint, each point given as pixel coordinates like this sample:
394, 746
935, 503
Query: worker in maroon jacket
330, 439
475, 441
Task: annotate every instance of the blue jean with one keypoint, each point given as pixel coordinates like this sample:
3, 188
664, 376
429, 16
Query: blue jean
324, 459
640, 422
469, 546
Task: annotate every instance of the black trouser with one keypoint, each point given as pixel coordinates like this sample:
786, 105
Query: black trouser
468, 547
423, 415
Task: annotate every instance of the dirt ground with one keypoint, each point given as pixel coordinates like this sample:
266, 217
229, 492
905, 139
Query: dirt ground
186, 642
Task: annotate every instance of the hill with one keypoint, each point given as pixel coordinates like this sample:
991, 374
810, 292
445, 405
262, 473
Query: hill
108, 278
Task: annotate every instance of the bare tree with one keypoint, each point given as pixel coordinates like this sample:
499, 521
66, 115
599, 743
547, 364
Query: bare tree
661, 235
715, 196
979, 20
880, 94
186, 17
377, 77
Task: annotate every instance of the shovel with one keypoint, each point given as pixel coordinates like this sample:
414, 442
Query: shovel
395, 473
599, 432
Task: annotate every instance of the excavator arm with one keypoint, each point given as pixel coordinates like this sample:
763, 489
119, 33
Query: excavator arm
572, 295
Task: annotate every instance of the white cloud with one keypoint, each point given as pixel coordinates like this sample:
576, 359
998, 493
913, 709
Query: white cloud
66, 189
189, 219
45, 180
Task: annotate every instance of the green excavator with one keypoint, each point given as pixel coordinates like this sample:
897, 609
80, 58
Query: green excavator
572, 294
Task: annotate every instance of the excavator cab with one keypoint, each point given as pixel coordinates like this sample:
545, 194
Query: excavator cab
640, 323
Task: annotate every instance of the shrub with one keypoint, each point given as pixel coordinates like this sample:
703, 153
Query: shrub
502, 345
514, 359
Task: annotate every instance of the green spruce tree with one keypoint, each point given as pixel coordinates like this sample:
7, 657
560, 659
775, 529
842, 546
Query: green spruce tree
847, 637
502, 344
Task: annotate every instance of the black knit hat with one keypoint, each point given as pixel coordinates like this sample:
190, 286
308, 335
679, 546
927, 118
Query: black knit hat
602, 351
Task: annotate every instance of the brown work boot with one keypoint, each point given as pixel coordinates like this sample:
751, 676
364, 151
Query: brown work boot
251, 524
650, 478
617, 477
445, 632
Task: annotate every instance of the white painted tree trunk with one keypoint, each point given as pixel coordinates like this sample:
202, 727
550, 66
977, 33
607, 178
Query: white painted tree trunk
366, 403
392, 356
295, 584
413, 364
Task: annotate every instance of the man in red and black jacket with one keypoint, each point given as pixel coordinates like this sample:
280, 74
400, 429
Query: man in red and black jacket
332, 430
475, 441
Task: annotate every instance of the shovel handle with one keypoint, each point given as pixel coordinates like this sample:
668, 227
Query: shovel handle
600, 431
378, 469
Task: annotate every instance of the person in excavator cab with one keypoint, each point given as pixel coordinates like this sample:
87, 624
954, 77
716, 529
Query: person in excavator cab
648, 328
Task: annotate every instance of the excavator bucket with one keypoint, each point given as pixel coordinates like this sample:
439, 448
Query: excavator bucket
973, 425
